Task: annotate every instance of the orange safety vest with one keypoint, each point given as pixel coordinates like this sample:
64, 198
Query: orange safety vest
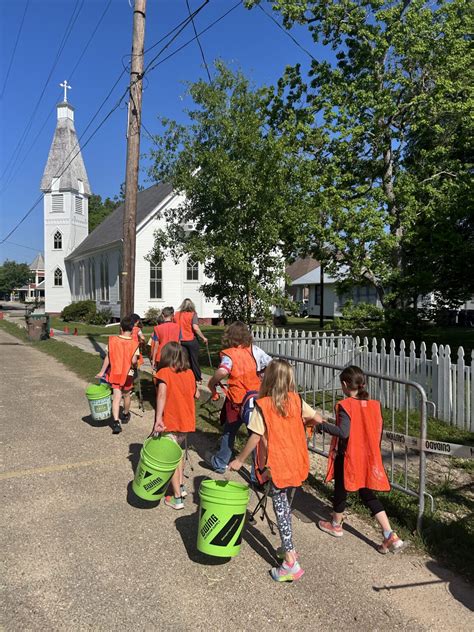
286, 453
243, 374
166, 332
363, 465
121, 352
180, 413
185, 322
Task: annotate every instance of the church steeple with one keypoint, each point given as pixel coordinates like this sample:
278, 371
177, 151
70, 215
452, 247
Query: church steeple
65, 158
66, 210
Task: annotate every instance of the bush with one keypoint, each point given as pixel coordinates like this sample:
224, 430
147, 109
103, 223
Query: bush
359, 316
102, 317
152, 316
80, 311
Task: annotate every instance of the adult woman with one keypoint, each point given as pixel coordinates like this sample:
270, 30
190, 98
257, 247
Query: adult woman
188, 322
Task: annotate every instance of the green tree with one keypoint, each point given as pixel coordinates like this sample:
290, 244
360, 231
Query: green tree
14, 275
236, 179
401, 74
99, 210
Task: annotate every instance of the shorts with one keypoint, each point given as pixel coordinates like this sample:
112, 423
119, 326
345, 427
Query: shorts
178, 437
125, 388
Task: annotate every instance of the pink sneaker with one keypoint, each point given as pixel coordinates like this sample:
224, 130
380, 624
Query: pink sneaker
287, 573
393, 544
328, 527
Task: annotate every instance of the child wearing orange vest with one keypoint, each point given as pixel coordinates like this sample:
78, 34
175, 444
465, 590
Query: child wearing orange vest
165, 332
137, 335
355, 460
278, 433
242, 363
118, 366
175, 408
188, 322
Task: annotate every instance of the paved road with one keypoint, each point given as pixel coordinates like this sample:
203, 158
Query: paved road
82, 554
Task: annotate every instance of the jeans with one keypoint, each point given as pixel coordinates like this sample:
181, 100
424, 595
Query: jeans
222, 457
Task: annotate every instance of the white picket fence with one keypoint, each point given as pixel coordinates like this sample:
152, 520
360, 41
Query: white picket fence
450, 387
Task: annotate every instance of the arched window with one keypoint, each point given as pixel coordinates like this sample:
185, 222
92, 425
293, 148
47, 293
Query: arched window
192, 270
92, 295
58, 277
58, 240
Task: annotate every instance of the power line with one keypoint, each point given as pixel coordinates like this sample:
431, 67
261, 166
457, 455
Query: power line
21, 142
199, 43
70, 75
12, 243
14, 48
270, 16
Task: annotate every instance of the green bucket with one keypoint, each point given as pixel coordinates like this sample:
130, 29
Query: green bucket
221, 517
100, 402
159, 459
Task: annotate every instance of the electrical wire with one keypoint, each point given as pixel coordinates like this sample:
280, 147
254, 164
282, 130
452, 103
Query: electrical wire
14, 48
72, 20
12, 243
199, 43
270, 16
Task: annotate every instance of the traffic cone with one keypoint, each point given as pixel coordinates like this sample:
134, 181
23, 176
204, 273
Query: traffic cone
66, 330
51, 333
75, 331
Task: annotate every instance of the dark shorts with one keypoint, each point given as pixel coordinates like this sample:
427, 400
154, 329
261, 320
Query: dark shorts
230, 413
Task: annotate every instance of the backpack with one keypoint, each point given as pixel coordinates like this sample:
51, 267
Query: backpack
247, 406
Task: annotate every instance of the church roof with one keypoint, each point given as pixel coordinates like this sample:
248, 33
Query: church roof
65, 155
111, 229
37, 263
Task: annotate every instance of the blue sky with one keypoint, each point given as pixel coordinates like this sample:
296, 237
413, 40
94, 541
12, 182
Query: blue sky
246, 39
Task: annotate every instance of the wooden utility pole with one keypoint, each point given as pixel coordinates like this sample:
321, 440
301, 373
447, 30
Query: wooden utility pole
127, 295
321, 299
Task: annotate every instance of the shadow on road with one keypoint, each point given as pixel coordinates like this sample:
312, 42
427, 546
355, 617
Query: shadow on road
460, 589
105, 423
134, 501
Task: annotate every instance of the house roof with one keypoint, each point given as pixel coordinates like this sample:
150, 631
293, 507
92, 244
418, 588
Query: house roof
37, 263
300, 267
111, 229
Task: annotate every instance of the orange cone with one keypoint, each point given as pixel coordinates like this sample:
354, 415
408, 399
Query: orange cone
51, 333
66, 330
75, 331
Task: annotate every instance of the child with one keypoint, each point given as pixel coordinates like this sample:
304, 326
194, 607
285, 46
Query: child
175, 408
119, 363
279, 420
242, 363
355, 460
167, 331
137, 335
188, 322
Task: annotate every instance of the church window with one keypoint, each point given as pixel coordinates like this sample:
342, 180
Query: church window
192, 270
58, 240
78, 204
92, 295
57, 203
58, 277
119, 281
155, 279
82, 281
104, 279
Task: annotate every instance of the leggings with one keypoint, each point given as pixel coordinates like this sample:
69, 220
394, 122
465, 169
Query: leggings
367, 496
282, 509
192, 347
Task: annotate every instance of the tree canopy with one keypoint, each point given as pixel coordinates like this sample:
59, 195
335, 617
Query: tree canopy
236, 179
14, 275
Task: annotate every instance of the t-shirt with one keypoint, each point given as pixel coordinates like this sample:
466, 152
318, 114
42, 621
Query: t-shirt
261, 358
257, 425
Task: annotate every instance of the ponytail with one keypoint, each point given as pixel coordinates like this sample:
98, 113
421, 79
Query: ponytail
355, 379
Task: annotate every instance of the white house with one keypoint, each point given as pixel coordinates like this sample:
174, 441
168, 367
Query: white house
305, 276
82, 266
35, 289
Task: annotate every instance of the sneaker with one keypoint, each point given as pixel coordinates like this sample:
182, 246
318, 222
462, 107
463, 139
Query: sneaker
328, 527
116, 427
173, 502
393, 544
287, 573
126, 418
209, 458
280, 553
184, 493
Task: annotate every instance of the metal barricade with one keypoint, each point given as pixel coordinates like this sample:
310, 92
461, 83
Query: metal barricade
318, 383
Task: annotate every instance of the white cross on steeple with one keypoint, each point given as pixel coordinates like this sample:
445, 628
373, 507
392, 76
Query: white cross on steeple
66, 87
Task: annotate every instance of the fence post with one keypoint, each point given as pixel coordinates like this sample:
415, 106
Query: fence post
434, 378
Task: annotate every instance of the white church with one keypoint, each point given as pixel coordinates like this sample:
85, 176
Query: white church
79, 265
